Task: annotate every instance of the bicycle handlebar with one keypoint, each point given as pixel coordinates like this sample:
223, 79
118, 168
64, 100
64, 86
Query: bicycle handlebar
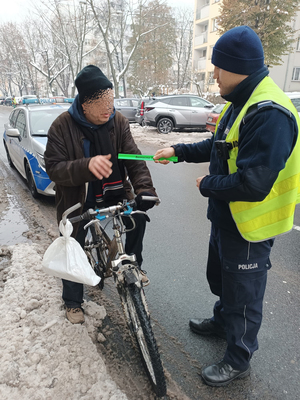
89, 214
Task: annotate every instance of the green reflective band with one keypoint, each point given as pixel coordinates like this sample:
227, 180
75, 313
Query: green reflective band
143, 157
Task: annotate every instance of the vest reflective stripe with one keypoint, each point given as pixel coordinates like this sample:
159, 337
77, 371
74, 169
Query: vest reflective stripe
258, 221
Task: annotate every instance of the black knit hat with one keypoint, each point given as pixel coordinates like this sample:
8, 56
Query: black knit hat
90, 82
239, 50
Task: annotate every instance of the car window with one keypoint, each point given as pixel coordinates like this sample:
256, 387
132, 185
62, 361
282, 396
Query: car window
167, 101
12, 118
218, 109
41, 120
179, 101
21, 123
135, 102
123, 103
296, 103
197, 102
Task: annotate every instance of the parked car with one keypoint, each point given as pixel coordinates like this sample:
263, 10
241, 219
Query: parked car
25, 139
58, 99
213, 117
177, 111
18, 100
28, 96
295, 99
7, 101
127, 107
2, 98
140, 113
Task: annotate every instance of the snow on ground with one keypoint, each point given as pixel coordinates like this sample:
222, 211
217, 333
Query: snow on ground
150, 135
44, 356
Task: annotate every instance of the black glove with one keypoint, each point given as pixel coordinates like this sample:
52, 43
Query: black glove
144, 205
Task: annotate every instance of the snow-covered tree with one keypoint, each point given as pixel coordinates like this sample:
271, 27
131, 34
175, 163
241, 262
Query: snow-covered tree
270, 19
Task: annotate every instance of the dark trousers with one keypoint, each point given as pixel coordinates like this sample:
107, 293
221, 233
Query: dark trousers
237, 274
73, 291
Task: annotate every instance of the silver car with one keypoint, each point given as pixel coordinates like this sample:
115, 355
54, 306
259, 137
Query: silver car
127, 107
177, 111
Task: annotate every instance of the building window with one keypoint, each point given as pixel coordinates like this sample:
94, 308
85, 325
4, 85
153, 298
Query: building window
296, 74
210, 52
298, 44
214, 24
216, 1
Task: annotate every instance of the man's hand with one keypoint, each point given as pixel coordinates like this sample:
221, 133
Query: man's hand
164, 153
100, 166
198, 181
144, 205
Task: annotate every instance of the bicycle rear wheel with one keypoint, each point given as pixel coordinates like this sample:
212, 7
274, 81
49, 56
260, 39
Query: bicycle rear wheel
141, 327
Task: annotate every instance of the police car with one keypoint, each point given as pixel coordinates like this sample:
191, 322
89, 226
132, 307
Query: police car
25, 139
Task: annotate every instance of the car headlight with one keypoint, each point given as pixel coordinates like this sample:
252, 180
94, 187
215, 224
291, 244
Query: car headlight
41, 160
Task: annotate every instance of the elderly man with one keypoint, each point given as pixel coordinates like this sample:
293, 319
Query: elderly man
81, 158
252, 188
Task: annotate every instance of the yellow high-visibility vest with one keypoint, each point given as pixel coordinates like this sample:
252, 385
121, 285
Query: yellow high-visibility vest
262, 220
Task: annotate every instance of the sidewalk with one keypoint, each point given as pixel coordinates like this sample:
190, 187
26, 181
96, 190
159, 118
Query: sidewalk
44, 356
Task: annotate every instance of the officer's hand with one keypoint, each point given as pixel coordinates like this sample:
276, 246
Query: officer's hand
164, 153
199, 180
144, 205
100, 166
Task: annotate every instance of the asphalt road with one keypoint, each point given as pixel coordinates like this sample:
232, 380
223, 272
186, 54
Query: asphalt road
175, 251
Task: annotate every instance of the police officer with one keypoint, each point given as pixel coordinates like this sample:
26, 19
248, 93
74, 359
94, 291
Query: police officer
252, 188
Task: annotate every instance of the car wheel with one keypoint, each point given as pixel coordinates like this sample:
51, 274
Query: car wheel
8, 157
31, 183
143, 123
165, 125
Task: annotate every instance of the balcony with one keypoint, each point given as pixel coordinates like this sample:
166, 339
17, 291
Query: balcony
202, 12
201, 64
201, 39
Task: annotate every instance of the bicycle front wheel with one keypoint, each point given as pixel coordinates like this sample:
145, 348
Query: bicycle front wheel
141, 327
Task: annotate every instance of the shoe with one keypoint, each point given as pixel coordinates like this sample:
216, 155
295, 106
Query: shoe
75, 315
222, 374
207, 327
144, 278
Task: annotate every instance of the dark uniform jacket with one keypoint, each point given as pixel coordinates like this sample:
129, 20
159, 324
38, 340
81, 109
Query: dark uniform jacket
67, 166
265, 143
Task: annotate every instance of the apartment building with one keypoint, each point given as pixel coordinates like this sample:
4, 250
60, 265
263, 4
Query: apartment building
287, 75
206, 12
205, 36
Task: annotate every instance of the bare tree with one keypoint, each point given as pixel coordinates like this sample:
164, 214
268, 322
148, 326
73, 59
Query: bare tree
68, 25
183, 45
14, 55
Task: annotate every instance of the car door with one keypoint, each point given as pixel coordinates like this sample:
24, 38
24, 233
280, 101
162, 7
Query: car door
124, 107
180, 110
23, 145
12, 143
199, 112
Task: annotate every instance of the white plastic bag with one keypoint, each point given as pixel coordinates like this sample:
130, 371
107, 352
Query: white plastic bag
66, 259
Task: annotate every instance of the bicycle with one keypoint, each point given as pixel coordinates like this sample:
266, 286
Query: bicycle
108, 258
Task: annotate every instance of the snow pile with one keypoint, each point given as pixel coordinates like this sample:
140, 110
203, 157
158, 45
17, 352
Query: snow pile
43, 356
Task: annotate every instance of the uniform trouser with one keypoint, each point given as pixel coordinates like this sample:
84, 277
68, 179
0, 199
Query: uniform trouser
237, 274
73, 291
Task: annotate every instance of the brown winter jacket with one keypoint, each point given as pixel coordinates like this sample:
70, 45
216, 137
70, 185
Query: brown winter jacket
67, 166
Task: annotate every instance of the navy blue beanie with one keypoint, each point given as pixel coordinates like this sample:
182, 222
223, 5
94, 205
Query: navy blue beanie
239, 50
91, 81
